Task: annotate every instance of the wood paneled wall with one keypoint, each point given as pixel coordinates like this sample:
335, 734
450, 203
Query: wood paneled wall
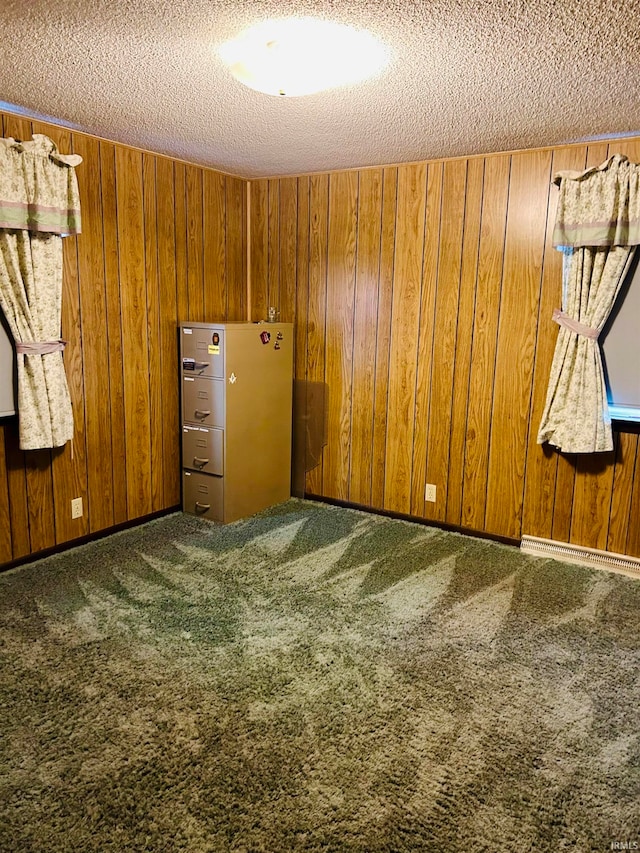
422, 296
162, 241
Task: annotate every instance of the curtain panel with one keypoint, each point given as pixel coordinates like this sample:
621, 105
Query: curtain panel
600, 206
597, 227
39, 204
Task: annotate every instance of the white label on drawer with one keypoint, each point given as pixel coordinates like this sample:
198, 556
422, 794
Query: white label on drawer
187, 331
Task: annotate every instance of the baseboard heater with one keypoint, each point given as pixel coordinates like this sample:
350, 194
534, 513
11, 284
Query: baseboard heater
585, 556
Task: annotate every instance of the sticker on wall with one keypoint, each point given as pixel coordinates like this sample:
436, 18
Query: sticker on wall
232, 379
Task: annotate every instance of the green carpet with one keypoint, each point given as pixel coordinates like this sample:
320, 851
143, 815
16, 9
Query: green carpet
316, 679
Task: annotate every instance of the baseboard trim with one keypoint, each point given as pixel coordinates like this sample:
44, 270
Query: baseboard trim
82, 540
607, 560
416, 519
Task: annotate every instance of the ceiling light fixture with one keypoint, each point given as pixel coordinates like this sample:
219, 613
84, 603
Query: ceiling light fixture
300, 56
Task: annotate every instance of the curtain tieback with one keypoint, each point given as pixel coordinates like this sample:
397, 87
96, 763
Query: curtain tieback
39, 348
576, 326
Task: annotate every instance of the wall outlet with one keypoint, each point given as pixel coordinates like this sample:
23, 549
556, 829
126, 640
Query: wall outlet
76, 508
430, 493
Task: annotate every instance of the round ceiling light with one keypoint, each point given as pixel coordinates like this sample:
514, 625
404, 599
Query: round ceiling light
300, 56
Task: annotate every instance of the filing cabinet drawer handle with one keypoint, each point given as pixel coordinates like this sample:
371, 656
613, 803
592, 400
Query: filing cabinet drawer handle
191, 364
202, 507
200, 413
199, 462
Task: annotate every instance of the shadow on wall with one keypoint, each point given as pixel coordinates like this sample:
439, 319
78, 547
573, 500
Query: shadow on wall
310, 407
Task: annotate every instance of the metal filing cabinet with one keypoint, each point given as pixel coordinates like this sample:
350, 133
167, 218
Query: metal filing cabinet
237, 383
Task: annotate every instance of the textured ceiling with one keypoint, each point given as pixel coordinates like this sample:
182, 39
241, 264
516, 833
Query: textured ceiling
465, 77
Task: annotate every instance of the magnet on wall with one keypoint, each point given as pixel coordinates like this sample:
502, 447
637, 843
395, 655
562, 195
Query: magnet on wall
265, 337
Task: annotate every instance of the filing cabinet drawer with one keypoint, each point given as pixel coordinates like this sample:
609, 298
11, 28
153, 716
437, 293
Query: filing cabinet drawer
203, 401
202, 494
202, 351
203, 449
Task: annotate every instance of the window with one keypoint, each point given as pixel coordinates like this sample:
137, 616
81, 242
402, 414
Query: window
7, 398
621, 349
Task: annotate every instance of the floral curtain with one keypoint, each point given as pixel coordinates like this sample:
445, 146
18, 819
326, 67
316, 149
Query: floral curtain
597, 227
39, 204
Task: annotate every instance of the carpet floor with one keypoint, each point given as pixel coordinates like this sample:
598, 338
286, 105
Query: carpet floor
316, 679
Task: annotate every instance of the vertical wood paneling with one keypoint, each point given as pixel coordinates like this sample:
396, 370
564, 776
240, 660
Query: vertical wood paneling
214, 215
563, 498
18, 128
195, 259
364, 338
466, 281
301, 425
383, 334
69, 463
40, 500
341, 267
302, 277
524, 247
95, 358
426, 334
180, 218
288, 235
408, 290
259, 249
6, 552
405, 314
485, 326
318, 223
273, 244
155, 247
235, 248
466, 313
168, 303
445, 326
592, 500
17, 488
153, 324
114, 330
133, 296
625, 467
633, 529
